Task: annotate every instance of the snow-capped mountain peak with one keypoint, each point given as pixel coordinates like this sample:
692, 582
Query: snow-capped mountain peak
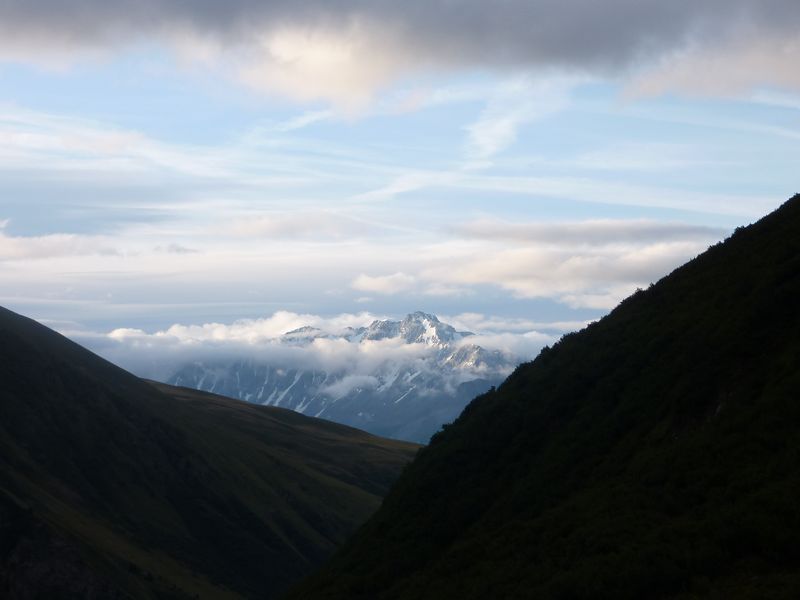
416, 328
389, 392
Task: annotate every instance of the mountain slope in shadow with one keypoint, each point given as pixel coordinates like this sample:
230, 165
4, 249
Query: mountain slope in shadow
115, 487
655, 454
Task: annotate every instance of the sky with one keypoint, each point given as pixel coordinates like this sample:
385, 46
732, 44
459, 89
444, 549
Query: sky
514, 167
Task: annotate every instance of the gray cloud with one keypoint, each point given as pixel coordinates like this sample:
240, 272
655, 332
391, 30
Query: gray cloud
592, 233
281, 42
550, 31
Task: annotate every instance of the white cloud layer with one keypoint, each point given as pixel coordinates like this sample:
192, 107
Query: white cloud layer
585, 264
159, 354
579, 264
596, 277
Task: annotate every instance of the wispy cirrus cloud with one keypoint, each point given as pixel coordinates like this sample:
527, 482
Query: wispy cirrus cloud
586, 188
304, 120
510, 107
779, 99
634, 157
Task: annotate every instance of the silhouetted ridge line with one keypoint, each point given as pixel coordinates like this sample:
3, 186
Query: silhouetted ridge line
652, 454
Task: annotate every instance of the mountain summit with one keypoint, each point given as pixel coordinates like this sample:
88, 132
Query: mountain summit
416, 328
400, 379
652, 455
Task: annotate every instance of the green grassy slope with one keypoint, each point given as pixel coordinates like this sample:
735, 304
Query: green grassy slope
654, 454
111, 486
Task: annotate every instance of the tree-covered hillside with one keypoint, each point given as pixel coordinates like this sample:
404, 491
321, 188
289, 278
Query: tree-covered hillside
654, 454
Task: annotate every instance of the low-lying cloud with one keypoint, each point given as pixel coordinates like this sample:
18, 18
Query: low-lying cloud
160, 354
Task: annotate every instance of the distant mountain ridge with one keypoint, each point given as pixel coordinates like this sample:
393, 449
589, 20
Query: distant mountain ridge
408, 396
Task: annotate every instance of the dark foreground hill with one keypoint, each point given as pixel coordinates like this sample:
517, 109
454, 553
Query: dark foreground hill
113, 487
654, 454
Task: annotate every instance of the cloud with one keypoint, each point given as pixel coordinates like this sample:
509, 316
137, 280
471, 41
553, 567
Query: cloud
642, 157
773, 98
343, 50
444, 290
586, 264
349, 383
584, 189
51, 246
593, 232
337, 64
478, 322
253, 331
309, 224
304, 120
159, 354
513, 105
534, 271
525, 345
732, 67
599, 300
33, 140
175, 249
384, 284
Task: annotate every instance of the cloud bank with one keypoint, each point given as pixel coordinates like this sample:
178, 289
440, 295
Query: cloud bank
343, 50
159, 354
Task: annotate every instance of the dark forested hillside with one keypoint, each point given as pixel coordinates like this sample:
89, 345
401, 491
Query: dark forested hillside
113, 487
654, 454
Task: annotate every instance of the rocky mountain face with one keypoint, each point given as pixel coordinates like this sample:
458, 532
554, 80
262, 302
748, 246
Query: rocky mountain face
405, 378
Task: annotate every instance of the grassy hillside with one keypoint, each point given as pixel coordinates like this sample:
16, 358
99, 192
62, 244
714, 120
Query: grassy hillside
654, 454
113, 487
